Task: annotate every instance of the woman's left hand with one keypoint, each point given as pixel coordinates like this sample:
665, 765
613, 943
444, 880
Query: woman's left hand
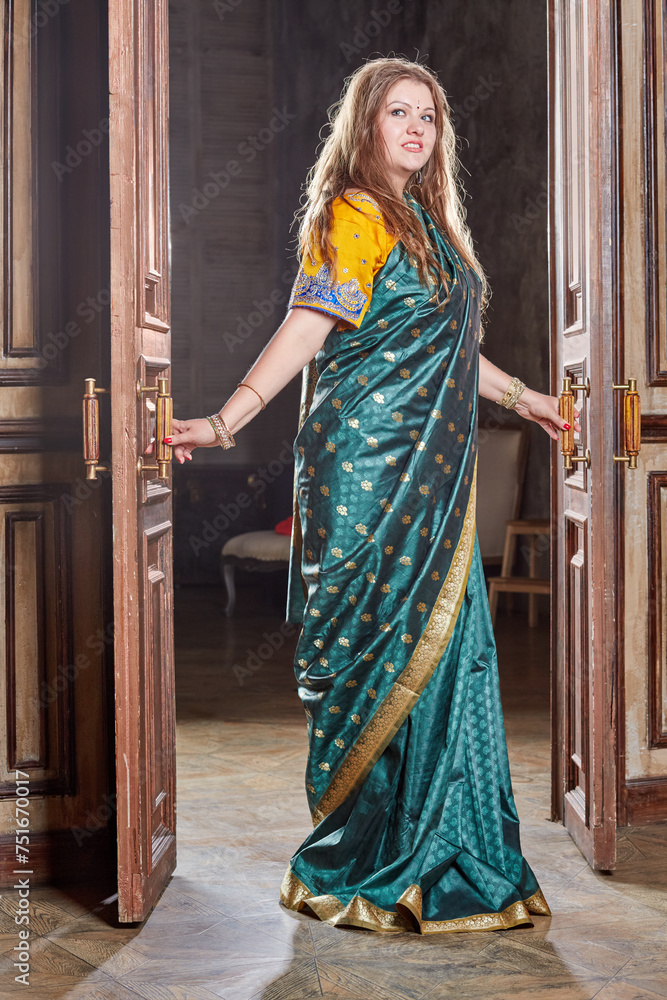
544, 411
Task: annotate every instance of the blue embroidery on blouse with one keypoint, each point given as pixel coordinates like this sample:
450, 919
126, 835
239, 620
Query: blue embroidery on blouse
344, 299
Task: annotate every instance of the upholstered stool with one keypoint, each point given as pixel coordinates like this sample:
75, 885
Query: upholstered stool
530, 584
258, 551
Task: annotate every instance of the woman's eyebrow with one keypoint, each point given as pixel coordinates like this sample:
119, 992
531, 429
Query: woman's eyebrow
408, 105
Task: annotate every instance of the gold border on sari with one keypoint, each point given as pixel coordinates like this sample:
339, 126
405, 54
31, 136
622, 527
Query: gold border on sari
394, 709
360, 912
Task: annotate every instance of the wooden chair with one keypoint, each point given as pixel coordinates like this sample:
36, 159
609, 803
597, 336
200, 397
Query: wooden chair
501, 470
531, 585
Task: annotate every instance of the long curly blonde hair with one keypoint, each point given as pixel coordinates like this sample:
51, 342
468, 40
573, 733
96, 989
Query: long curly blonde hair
349, 159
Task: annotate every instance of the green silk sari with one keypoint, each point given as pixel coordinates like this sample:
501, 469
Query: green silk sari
407, 777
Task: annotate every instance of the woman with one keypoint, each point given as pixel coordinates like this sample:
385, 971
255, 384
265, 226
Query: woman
408, 779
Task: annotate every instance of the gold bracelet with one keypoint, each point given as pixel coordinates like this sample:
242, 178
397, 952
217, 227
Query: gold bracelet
222, 431
254, 390
512, 393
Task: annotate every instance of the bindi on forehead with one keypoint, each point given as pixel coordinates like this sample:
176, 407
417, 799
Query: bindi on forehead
408, 105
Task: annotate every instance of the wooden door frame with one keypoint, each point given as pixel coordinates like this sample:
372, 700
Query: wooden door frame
619, 483
142, 515
642, 798
597, 841
62, 691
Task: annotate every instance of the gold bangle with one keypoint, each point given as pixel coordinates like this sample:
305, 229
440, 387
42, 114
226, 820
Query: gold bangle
512, 393
222, 430
248, 386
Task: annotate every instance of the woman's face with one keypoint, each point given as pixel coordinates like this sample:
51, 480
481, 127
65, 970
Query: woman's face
407, 129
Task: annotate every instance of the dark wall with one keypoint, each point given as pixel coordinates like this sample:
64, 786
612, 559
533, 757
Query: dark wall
491, 60
227, 298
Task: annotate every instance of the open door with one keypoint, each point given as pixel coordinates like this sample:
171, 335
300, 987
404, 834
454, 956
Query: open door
642, 611
141, 485
583, 285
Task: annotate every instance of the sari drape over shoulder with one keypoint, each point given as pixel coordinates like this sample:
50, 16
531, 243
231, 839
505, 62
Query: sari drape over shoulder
407, 777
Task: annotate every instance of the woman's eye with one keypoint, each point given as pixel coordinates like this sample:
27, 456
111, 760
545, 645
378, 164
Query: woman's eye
398, 111
429, 118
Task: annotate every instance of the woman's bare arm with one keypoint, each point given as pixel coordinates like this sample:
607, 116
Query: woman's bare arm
531, 404
296, 342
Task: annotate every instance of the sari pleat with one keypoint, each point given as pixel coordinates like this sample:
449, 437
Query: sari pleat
408, 781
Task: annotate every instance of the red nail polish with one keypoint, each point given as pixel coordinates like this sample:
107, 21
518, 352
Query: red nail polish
168, 440
566, 426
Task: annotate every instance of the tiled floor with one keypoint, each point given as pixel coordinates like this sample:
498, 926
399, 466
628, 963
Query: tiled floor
218, 930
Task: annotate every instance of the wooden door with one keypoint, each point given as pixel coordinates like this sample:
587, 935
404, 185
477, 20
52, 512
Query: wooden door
142, 499
584, 275
56, 622
642, 345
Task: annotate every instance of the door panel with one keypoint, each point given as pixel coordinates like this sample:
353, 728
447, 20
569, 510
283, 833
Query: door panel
142, 498
643, 346
577, 660
582, 243
56, 623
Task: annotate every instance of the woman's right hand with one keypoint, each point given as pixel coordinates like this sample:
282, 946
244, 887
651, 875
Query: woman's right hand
188, 435
294, 344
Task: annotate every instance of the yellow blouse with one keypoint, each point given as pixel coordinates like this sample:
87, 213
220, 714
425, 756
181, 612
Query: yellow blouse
363, 245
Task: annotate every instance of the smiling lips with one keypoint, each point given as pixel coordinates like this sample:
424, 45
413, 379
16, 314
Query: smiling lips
413, 147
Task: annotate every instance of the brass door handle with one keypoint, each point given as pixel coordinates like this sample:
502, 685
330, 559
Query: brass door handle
91, 429
566, 411
632, 423
163, 417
